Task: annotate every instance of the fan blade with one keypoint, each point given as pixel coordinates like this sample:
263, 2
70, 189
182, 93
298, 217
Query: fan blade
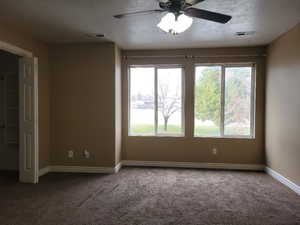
193, 2
207, 15
120, 16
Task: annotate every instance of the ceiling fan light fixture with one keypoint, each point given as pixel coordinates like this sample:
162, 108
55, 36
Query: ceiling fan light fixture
170, 24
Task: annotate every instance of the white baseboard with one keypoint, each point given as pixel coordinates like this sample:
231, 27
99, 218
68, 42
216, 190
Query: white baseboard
86, 169
118, 167
44, 171
283, 180
79, 169
225, 166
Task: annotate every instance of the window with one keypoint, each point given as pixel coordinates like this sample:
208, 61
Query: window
208, 101
155, 101
224, 101
237, 101
142, 101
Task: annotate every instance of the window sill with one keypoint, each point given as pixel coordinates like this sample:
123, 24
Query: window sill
226, 137
158, 136
194, 137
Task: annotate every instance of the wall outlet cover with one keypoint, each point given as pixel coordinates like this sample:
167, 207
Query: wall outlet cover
70, 154
86, 153
214, 151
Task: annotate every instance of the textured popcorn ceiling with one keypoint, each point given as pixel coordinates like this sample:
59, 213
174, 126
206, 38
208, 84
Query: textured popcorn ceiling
74, 20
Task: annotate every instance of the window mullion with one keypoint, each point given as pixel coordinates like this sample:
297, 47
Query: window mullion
222, 101
252, 108
129, 100
155, 102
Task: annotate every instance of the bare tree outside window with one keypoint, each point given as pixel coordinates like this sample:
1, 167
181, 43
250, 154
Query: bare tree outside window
168, 103
155, 101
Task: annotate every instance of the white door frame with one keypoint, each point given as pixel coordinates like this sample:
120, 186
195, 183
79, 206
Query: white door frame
14, 49
24, 53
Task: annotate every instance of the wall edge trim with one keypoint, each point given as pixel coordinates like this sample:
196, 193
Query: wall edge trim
44, 171
14, 49
225, 166
277, 176
118, 167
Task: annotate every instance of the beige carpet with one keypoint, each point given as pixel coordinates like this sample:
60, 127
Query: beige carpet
150, 196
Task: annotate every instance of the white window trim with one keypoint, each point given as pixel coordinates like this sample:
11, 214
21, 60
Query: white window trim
156, 67
253, 100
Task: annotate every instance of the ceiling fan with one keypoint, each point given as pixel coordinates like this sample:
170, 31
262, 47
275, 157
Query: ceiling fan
179, 15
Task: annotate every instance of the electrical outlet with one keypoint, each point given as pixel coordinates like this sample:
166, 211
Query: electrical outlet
86, 154
214, 151
70, 154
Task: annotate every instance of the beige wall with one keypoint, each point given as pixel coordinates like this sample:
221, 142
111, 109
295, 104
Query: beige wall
40, 50
86, 99
86, 112
283, 105
188, 148
83, 103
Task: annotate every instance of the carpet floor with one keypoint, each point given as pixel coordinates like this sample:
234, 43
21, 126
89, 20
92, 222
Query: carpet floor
150, 196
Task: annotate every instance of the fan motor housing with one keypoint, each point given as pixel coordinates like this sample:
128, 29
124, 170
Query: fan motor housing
174, 6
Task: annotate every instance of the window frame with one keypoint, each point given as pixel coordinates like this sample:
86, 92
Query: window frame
222, 105
156, 67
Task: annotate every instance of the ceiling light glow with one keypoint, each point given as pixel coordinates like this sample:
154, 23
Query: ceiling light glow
170, 24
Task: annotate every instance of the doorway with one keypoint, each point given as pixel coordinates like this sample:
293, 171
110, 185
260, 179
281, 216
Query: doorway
9, 114
19, 113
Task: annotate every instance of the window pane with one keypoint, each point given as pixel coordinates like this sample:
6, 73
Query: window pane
142, 101
237, 100
207, 100
169, 101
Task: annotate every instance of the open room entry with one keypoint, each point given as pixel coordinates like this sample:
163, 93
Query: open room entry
25, 133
